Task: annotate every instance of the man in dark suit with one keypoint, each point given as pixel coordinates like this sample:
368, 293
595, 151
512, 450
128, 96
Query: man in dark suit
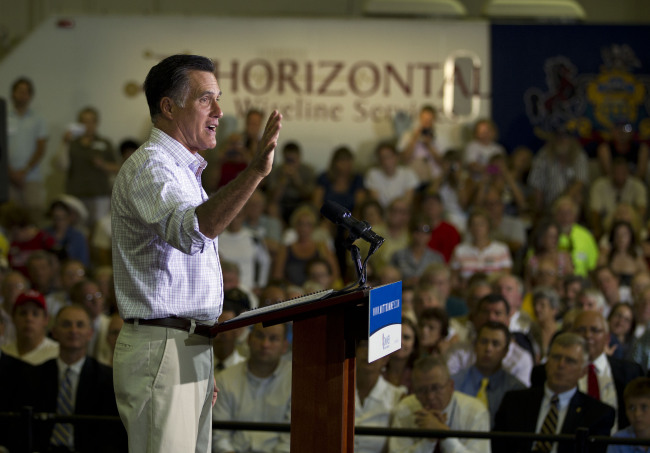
16, 391
610, 373
529, 410
91, 391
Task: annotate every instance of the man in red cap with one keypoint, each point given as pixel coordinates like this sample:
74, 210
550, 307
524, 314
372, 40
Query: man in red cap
30, 319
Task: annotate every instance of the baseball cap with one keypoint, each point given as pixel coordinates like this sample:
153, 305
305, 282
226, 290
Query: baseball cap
30, 296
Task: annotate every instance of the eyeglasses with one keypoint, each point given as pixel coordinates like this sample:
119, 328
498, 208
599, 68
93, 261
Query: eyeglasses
422, 229
95, 296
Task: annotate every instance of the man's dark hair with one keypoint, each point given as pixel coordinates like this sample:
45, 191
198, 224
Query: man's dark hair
490, 299
170, 78
23, 80
496, 325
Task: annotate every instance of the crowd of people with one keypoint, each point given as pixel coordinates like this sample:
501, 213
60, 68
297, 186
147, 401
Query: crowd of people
526, 288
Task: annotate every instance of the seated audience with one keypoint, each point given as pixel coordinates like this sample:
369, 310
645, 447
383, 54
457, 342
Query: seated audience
291, 183
546, 304
622, 143
13, 284
71, 243
610, 286
444, 236
574, 238
433, 328
608, 191
30, 318
375, 400
481, 148
606, 376
239, 245
545, 246
400, 363
439, 275
486, 379
482, 254
257, 390
560, 168
508, 229
342, 184
623, 253
224, 345
390, 180
87, 386
435, 405
24, 236
555, 407
417, 256
637, 407
621, 328
461, 355
86, 293
290, 262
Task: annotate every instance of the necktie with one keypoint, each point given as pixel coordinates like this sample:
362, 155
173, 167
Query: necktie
62, 432
549, 426
592, 382
482, 392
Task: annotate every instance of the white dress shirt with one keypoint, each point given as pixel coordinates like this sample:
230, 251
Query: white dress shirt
463, 413
375, 412
606, 385
244, 397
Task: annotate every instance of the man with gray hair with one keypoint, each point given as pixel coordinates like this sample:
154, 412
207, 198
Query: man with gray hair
168, 281
556, 407
435, 405
606, 376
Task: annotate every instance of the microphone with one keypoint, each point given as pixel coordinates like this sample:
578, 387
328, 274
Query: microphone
337, 214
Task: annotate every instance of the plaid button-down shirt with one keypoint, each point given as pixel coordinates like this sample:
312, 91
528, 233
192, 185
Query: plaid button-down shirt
163, 265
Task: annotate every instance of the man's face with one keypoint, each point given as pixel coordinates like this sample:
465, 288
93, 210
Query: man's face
637, 409
491, 348
41, 273
13, 284
72, 329
253, 124
591, 326
564, 367
430, 332
267, 344
93, 299
21, 96
509, 289
433, 388
496, 311
30, 321
607, 283
197, 121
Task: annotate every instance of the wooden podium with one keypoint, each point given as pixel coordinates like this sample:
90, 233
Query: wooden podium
323, 373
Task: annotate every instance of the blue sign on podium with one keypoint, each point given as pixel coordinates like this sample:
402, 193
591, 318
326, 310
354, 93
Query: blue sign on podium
384, 320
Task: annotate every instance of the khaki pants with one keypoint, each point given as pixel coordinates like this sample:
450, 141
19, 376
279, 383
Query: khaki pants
163, 382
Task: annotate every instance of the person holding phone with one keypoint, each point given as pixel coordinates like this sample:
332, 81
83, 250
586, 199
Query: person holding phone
419, 149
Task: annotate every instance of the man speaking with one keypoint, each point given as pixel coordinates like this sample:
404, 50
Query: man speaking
167, 273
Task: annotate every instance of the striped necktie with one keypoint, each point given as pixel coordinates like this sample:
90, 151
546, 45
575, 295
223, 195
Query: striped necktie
549, 426
62, 432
